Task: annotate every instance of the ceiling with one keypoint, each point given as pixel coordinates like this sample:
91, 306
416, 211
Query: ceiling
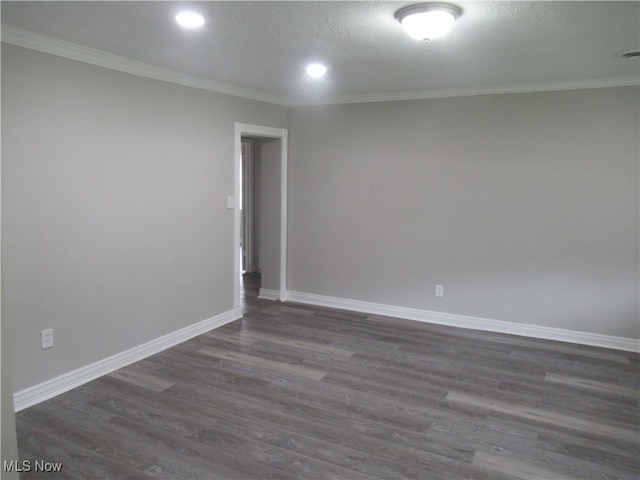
260, 49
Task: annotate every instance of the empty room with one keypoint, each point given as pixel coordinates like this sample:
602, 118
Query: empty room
320, 240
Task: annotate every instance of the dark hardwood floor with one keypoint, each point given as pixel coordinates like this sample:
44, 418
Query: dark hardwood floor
292, 391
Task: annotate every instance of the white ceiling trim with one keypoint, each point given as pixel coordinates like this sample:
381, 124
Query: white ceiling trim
626, 81
61, 48
42, 43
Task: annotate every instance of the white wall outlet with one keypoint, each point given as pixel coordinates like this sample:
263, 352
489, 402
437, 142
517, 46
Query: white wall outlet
231, 202
439, 291
47, 338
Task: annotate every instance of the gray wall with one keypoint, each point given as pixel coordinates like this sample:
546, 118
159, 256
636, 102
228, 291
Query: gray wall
268, 151
9, 441
525, 206
115, 225
116, 231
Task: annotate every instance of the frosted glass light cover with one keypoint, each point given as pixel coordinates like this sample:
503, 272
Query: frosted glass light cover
428, 25
316, 70
190, 19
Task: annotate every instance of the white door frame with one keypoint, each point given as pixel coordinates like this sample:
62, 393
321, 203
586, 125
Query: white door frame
248, 130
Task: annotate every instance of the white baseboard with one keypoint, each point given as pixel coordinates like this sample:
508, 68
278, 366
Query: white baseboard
266, 294
65, 382
473, 323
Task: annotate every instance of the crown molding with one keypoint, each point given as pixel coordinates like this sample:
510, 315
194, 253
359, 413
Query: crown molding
625, 81
42, 43
35, 41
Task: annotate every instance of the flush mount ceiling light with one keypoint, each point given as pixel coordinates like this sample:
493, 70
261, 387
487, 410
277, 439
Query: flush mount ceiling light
190, 19
316, 70
426, 21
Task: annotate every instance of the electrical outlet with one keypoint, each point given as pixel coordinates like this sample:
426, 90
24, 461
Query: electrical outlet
439, 291
47, 338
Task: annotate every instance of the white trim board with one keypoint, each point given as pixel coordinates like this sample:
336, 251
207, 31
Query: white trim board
622, 81
261, 131
53, 46
473, 323
266, 294
67, 381
43, 43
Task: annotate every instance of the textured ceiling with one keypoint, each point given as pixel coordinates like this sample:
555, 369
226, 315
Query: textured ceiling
264, 46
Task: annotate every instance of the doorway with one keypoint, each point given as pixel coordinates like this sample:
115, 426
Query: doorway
268, 148
249, 223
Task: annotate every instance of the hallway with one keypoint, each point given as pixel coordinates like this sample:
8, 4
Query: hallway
249, 291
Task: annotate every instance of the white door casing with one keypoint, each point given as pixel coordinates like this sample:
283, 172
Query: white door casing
248, 130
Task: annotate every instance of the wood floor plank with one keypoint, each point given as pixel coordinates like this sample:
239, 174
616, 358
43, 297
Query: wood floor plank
619, 411
545, 416
141, 379
294, 391
220, 447
585, 383
230, 337
263, 363
570, 351
282, 340
41, 443
513, 466
621, 463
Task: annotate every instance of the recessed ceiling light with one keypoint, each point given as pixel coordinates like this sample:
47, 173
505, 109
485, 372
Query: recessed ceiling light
190, 19
316, 70
427, 21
